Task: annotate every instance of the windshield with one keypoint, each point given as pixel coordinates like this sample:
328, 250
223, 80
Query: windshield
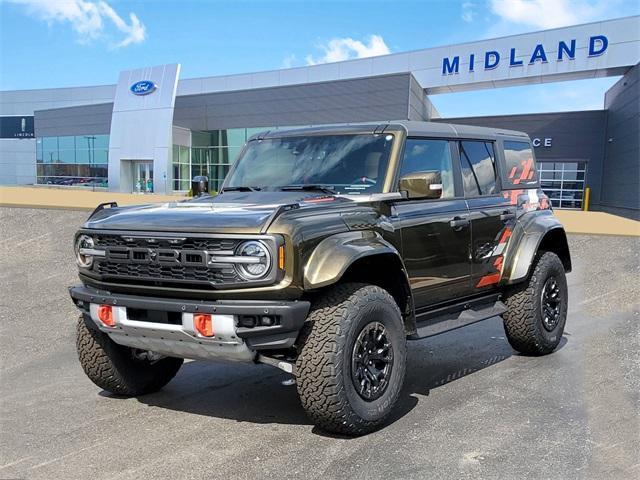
347, 164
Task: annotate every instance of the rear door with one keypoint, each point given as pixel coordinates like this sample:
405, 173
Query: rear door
490, 213
435, 252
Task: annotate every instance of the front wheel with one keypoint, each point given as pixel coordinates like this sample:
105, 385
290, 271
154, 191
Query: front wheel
119, 369
537, 309
352, 359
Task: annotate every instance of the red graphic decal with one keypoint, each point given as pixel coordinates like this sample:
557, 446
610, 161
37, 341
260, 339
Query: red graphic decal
512, 195
319, 199
505, 235
489, 280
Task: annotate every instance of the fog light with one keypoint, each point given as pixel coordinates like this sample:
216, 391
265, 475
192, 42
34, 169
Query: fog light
267, 321
105, 315
203, 324
247, 321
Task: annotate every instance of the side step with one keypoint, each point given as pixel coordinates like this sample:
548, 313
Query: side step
450, 318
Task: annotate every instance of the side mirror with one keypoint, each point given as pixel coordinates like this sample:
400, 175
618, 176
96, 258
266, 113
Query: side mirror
200, 186
422, 185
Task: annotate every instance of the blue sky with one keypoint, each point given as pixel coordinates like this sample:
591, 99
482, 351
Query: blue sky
51, 43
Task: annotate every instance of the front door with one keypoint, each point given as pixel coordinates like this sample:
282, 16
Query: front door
435, 233
142, 177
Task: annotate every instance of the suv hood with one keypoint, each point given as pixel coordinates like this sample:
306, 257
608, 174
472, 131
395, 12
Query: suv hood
231, 212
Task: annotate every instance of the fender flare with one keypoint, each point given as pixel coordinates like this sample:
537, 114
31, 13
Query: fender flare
525, 244
335, 254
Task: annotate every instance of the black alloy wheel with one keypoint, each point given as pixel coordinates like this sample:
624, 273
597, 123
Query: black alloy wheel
371, 361
550, 304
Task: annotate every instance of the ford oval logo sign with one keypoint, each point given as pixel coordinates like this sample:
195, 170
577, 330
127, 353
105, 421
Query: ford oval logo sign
143, 87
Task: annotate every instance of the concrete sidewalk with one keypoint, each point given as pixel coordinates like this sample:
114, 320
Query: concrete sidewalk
599, 223
43, 197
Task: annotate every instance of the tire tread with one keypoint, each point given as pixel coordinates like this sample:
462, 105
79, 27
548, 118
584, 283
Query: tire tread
106, 365
319, 368
521, 321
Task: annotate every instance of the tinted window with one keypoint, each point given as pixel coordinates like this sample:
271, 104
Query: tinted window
427, 156
348, 164
478, 164
521, 169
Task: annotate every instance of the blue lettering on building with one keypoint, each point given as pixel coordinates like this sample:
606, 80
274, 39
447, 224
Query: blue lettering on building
491, 60
512, 59
598, 45
570, 51
449, 67
538, 54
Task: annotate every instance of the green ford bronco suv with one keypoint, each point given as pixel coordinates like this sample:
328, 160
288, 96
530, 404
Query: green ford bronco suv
325, 250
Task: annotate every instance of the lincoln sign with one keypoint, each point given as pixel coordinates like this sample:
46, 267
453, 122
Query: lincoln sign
491, 59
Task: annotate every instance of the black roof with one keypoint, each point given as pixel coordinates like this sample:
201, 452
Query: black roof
413, 128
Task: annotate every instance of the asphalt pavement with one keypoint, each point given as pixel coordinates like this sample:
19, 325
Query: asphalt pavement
472, 407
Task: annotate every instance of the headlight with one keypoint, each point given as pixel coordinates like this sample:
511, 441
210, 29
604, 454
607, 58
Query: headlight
255, 260
84, 251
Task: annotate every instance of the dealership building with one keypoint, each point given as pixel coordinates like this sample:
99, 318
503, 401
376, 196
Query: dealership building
153, 131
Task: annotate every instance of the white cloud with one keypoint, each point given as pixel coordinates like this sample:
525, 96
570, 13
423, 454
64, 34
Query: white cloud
468, 11
339, 49
289, 61
90, 20
549, 13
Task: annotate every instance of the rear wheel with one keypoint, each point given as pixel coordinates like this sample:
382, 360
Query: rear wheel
119, 369
537, 309
352, 359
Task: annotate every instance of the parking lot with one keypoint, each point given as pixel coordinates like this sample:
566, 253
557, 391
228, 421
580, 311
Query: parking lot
471, 407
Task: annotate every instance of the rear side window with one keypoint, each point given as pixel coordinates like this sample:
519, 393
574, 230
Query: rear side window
520, 167
478, 164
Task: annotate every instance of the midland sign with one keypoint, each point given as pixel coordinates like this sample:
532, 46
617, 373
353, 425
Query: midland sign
592, 50
491, 59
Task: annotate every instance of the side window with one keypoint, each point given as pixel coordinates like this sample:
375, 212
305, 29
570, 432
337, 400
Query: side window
429, 156
478, 163
521, 169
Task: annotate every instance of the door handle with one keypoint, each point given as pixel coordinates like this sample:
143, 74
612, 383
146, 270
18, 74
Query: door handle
507, 215
458, 223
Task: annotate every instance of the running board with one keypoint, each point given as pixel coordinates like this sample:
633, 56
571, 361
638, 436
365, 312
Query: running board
441, 321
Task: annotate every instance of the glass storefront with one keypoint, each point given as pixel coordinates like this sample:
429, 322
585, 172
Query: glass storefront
80, 160
564, 183
211, 154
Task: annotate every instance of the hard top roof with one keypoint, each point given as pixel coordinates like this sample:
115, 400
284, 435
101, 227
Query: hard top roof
413, 128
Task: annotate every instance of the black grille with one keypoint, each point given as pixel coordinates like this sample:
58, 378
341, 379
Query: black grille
178, 242
116, 268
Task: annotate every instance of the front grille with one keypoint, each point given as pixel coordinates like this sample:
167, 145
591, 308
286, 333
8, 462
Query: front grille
160, 261
184, 243
157, 272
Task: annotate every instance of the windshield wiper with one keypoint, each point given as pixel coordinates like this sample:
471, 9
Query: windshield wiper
241, 189
307, 187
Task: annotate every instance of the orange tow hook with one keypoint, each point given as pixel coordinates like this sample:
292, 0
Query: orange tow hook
105, 315
203, 324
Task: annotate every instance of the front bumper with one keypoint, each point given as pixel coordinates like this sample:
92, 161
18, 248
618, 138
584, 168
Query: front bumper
178, 337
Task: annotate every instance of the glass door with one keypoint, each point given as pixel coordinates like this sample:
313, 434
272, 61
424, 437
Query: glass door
143, 177
564, 182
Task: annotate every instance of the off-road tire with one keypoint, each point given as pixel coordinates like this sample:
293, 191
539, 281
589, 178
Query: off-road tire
523, 322
112, 367
324, 363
